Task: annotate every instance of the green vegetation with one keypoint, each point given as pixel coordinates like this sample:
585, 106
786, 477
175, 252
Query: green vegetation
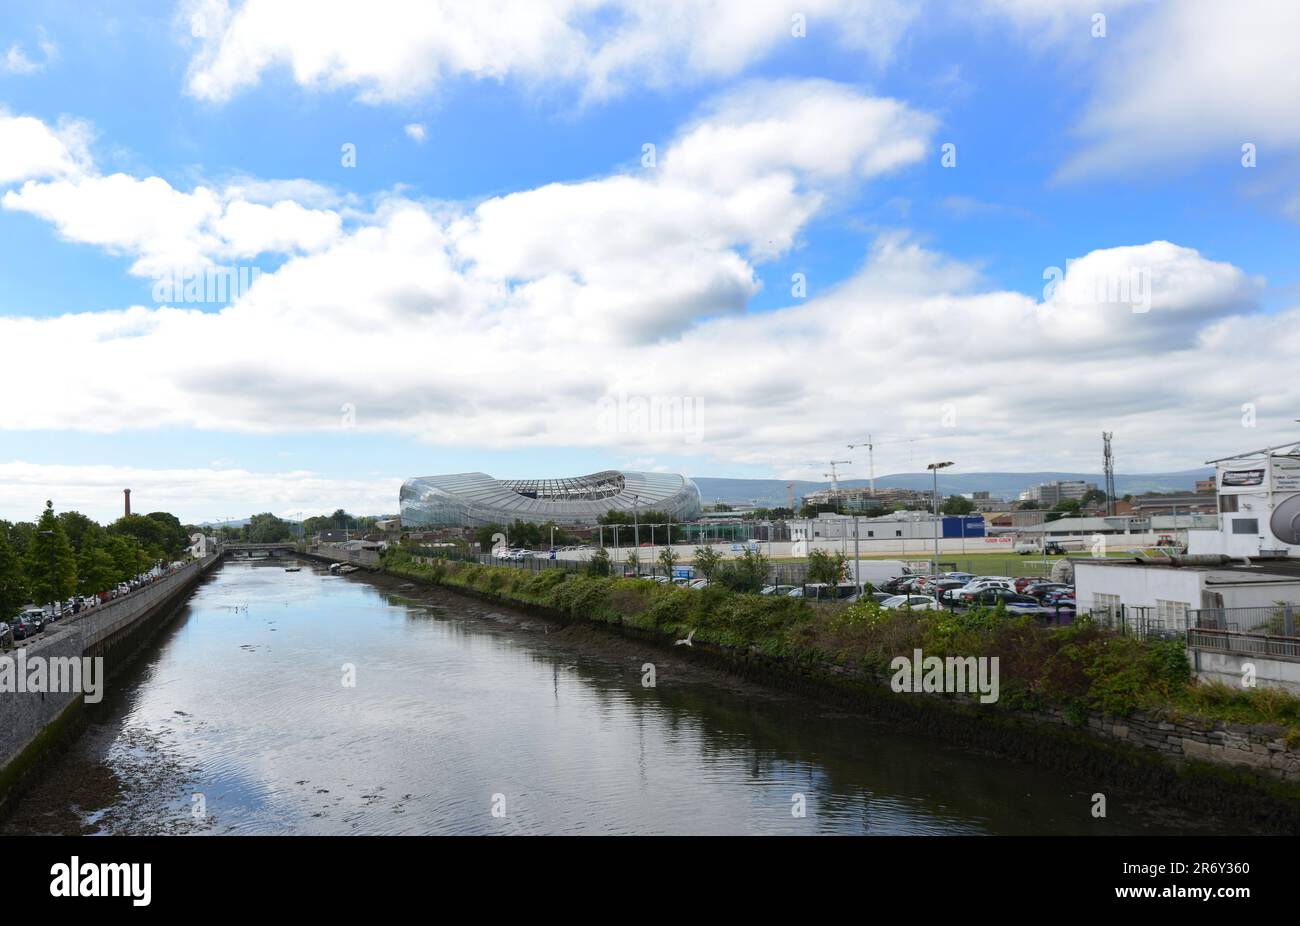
1077, 669
826, 567
957, 505
67, 553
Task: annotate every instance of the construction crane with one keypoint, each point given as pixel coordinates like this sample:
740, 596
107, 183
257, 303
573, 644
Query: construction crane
871, 454
834, 474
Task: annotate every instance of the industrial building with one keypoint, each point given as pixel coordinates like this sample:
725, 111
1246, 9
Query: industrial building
477, 499
1236, 593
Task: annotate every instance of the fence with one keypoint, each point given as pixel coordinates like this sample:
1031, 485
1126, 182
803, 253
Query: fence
1267, 631
1145, 623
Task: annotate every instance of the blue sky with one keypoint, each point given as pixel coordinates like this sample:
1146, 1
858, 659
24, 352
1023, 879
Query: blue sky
562, 270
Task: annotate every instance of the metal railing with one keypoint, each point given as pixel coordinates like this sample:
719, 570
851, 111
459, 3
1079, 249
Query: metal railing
1275, 620
1145, 623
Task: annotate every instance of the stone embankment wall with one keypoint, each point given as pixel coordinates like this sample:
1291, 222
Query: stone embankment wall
32, 722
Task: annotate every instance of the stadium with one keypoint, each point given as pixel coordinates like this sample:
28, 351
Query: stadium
476, 499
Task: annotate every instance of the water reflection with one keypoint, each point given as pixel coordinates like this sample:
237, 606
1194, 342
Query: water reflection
241, 721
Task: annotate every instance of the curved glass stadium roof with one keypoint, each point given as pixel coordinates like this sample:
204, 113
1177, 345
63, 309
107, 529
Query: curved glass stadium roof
475, 499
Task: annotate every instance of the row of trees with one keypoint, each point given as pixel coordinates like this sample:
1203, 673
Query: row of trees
61, 555
746, 573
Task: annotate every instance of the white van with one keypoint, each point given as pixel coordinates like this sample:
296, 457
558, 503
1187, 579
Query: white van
875, 571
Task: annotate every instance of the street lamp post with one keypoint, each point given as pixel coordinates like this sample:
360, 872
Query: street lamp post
636, 532
53, 590
934, 468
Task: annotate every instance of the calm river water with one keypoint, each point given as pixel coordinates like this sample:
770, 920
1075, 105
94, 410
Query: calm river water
466, 719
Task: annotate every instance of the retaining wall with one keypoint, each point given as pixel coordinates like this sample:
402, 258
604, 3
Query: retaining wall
32, 724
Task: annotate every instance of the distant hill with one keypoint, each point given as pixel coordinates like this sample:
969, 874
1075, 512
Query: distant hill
772, 492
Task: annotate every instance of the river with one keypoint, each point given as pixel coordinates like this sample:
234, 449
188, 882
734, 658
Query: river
464, 718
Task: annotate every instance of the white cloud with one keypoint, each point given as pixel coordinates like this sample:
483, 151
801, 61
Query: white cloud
1193, 81
504, 324
31, 149
16, 60
395, 49
416, 133
164, 228
193, 495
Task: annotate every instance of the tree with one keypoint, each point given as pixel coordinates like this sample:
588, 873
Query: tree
825, 567
78, 527
267, 528
51, 564
668, 559
957, 505
1027, 505
96, 570
173, 538
706, 561
13, 585
746, 573
633, 561
599, 564
125, 552
1093, 496
483, 536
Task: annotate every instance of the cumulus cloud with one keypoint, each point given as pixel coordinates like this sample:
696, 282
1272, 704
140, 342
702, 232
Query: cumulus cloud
164, 228
394, 49
31, 149
1192, 80
509, 323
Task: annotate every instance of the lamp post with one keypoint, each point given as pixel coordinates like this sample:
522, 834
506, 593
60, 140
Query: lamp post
934, 468
53, 590
636, 532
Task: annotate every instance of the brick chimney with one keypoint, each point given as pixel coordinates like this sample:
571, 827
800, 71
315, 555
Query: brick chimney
128, 501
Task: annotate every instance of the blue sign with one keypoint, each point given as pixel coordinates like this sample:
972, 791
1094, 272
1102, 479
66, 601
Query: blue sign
552, 552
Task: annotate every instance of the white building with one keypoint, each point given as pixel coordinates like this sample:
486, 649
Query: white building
1236, 594
1259, 505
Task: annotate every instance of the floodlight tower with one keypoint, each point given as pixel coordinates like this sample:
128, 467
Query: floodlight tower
1108, 464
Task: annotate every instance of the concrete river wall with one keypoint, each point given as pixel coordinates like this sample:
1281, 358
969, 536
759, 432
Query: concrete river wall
34, 723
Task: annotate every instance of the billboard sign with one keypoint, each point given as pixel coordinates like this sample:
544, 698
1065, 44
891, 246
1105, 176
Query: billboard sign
1240, 479
1286, 474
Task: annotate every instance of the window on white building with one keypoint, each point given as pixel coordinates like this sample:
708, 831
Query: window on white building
1171, 612
1108, 602
1245, 525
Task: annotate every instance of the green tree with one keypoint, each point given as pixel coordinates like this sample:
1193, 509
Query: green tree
51, 563
79, 528
633, 561
706, 561
96, 570
668, 559
174, 538
1093, 497
599, 564
13, 584
747, 573
267, 528
483, 536
126, 555
957, 505
826, 567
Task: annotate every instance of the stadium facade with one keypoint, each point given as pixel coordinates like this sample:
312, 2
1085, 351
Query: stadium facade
476, 499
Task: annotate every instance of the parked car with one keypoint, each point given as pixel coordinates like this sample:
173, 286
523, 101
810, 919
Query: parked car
910, 603
991, 597
1043, 589
968, 592
773, 589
